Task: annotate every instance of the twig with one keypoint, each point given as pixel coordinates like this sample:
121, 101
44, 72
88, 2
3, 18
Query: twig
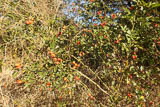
90, 70
93, 82
89, 78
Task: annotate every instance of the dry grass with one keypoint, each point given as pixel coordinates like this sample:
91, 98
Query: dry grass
16, 49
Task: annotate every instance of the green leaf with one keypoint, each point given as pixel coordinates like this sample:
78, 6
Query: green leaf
155, 5
52, 44
127, 10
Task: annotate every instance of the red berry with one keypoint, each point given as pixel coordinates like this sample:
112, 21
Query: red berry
134, 53
113, 16
95, 24
130, 76
74, 9
155, 41
105, 36
107, 55
99, 12
129, 95
103, 24
94, 20
151, 103
101, 17
134, 56
60, 33
73, 4
117, 41
131, 8
78, 43
158, 43
155, 25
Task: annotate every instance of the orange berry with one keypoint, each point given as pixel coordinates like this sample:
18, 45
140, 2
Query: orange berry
50, 52
5, 85
18, 66
74, 67
50, 89
28, 22
158, 42
65, 79
73, 63
92, 98
59, 59
19, 81
89, 30
102, 17
116, 42
99, 12
81, 54
73, 4
105, 36
56, 63
76, 25
40, 89
48, 84
40, 82
70, 92
52, 55
77, 65
64, 27
60, 97
89, 94
76, 78
113, 16
54, 59
83, 34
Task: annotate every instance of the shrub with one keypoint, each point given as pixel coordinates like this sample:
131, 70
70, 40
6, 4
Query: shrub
111, 58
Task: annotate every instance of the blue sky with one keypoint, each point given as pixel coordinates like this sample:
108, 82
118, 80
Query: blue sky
75, 15
70, 14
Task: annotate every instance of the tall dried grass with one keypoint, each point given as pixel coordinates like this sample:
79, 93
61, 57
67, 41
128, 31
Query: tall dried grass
15, 50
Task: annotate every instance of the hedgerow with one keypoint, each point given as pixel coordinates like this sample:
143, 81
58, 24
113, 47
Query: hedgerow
110, 58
